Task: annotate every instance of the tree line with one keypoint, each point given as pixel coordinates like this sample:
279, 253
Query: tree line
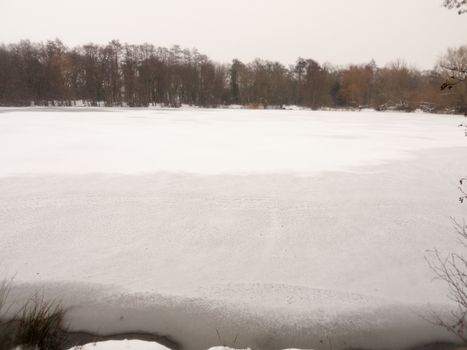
119, 74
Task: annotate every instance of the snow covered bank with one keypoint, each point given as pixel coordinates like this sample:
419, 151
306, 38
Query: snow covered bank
140, 221
132, 345
121, 345
319, 317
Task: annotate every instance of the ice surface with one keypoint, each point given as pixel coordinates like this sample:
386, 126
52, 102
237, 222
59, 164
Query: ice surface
211, 141
278, 228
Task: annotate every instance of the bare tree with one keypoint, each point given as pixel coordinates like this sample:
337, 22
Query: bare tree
452, 269
454, 68
459, 5
140, 75
455, 61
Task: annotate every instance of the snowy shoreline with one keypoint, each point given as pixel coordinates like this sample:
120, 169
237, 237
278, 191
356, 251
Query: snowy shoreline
79, 108
193, 323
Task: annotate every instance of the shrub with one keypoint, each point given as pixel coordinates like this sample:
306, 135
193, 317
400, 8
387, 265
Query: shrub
40, 326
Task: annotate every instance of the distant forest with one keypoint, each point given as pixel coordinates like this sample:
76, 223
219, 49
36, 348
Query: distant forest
143, 75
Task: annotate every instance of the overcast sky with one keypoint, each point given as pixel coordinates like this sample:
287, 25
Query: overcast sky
338, 31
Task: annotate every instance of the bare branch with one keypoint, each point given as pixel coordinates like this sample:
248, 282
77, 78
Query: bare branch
459, 5
452, 269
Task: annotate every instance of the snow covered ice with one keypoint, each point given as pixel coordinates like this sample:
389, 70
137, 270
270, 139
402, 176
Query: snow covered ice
210, 142
279, 228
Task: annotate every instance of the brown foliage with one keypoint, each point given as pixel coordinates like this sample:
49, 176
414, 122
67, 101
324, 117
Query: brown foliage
141, 75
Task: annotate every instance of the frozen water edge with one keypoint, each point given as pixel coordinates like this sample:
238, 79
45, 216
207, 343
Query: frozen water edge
279, 259
194, 323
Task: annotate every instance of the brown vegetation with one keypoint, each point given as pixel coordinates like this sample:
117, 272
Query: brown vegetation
141, 75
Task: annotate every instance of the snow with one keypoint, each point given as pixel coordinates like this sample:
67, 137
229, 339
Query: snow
227, 348
210, 142
121, 345
278, 229
132, 345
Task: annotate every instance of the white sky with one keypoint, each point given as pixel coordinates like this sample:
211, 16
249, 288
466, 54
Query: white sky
337, 31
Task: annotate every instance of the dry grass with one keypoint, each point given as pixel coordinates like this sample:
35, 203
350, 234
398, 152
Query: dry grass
6, 333
40, 325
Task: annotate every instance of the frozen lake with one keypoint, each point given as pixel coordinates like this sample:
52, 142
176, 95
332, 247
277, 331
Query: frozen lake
284, 227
